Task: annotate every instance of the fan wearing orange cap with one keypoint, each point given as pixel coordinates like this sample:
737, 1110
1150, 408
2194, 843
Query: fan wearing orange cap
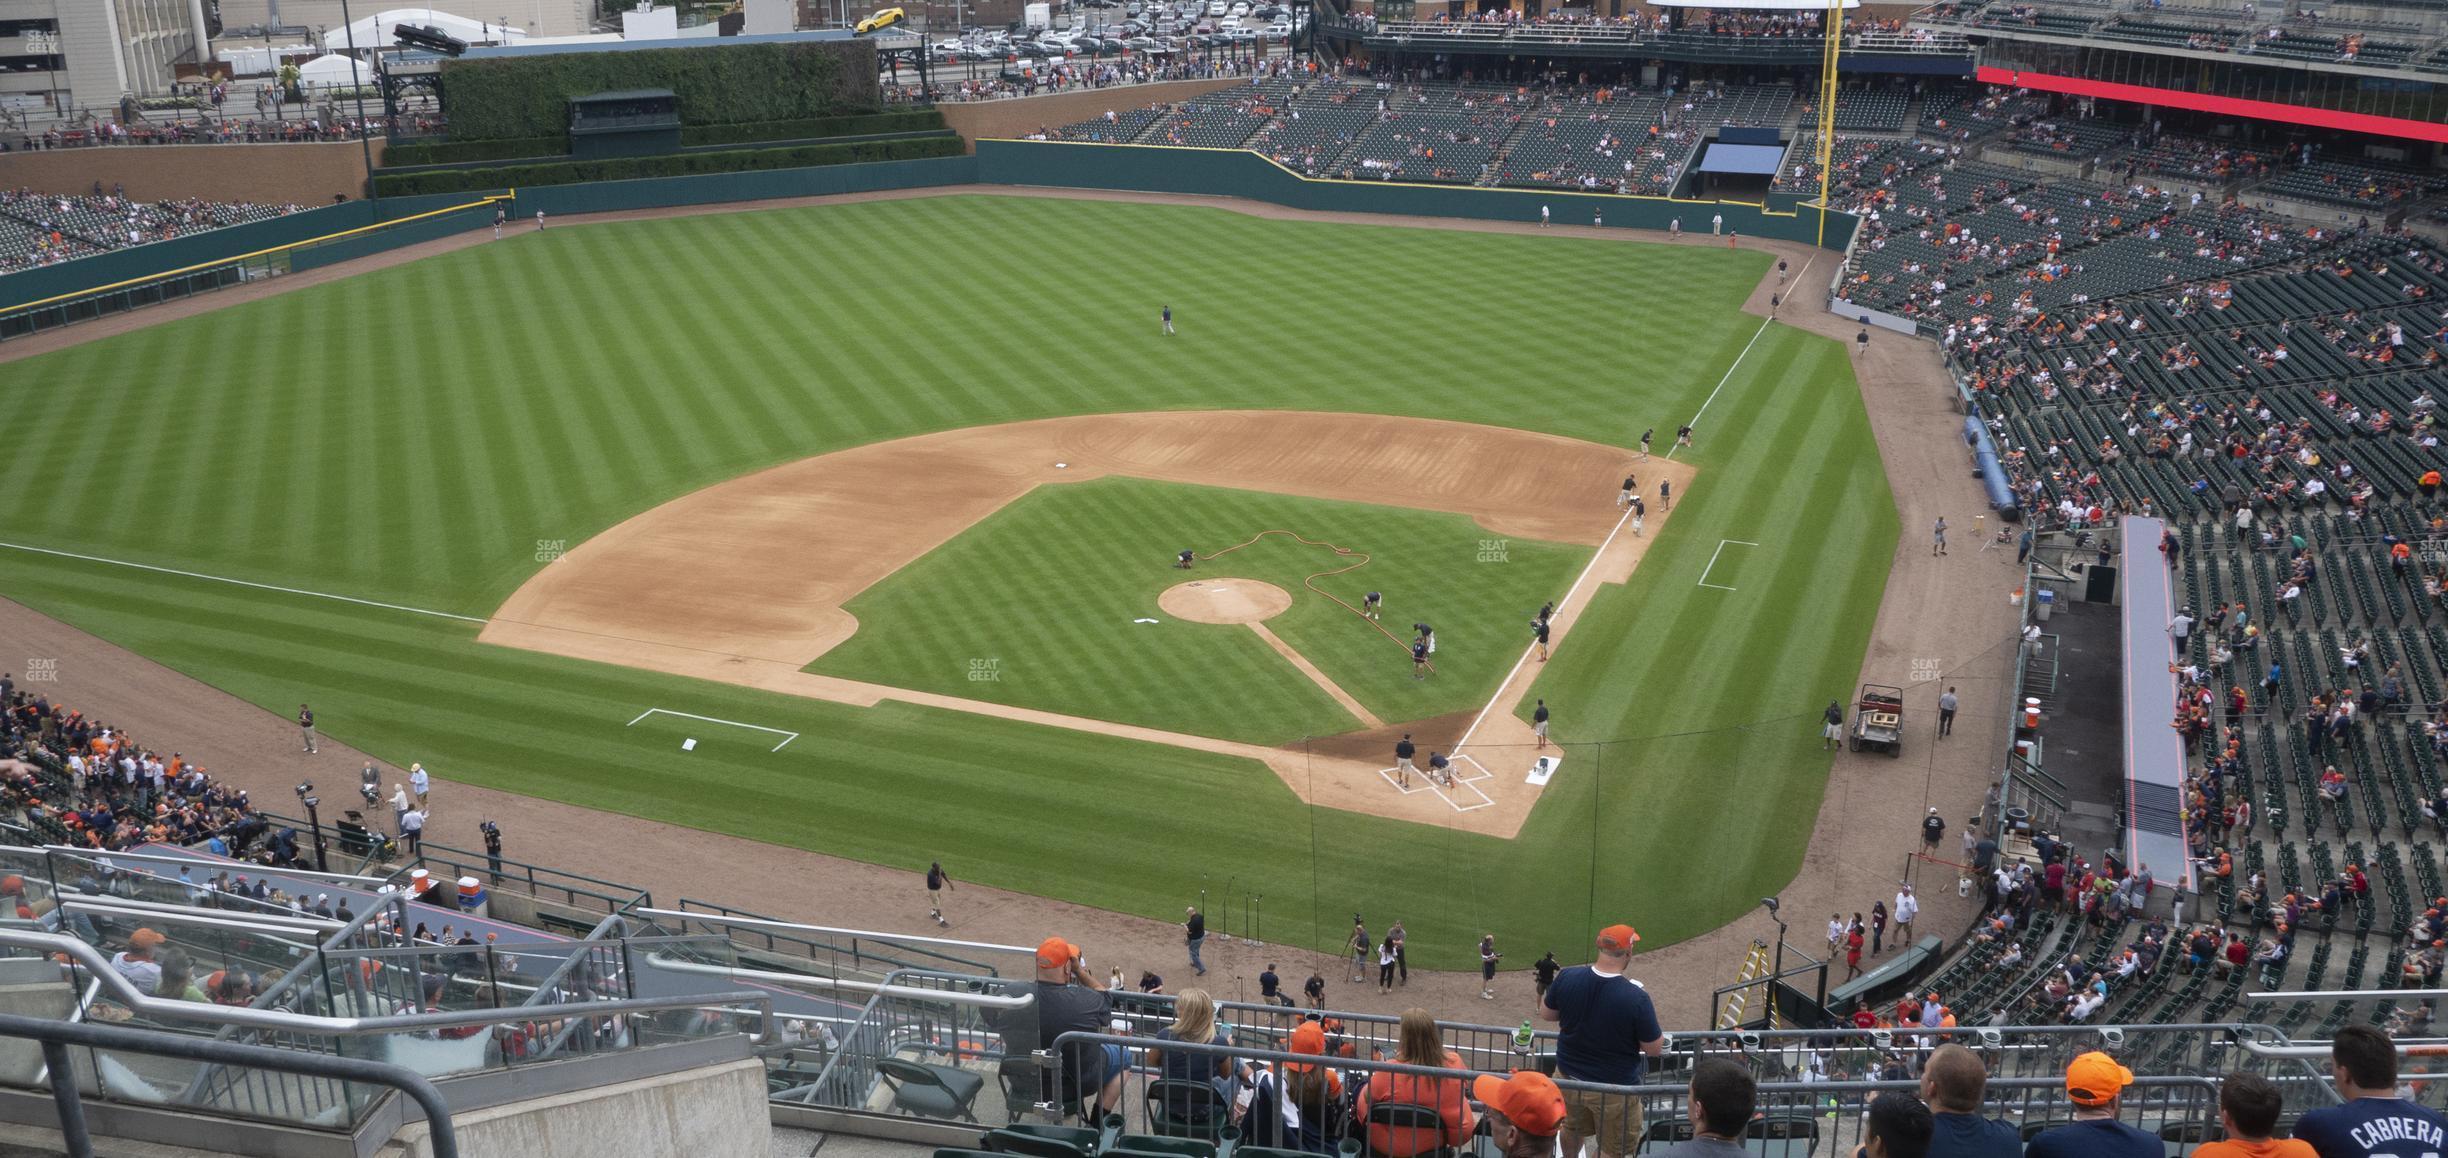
136, 963
1607, 1029
1523, 1112
1069, 1000
2095, 1083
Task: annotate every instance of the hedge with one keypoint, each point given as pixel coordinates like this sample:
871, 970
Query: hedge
668, 165
813, 129
456, 152
719, 84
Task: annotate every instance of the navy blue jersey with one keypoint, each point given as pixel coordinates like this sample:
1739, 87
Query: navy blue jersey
2374, 1128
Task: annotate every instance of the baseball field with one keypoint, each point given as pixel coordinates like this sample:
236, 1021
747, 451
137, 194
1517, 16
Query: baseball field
879, 504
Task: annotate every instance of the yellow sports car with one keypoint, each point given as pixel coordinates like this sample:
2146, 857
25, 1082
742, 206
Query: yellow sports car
884, 18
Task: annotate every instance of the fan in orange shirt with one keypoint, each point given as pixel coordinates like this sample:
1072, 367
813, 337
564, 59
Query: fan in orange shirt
2248, 1108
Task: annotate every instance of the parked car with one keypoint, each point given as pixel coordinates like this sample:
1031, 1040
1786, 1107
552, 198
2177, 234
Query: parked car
1239, 9
1141, 43
1275, 32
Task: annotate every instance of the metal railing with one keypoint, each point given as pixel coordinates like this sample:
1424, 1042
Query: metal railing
57, 1036
1793, 1118
857, 950
338, 1002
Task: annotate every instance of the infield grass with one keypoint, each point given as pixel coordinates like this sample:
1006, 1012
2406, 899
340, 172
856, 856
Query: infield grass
566, 380
1040, 606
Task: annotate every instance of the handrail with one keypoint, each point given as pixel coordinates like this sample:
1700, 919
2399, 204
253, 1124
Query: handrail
2347, 995
125, 993
194, 862
769, 977
285, 922
553, 979
762, 922
711, 913
57, 1036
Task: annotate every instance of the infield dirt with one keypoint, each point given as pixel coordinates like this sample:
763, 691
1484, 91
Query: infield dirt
825, 528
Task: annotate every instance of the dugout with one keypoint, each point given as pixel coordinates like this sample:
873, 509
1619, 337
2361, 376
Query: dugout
631, 123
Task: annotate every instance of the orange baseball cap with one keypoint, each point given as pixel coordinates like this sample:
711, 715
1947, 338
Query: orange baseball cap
2095, 1079
1617, 938
1054, 953
1307, 1037
1528, 1099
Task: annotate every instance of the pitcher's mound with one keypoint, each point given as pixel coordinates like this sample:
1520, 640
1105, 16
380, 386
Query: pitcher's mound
1224, 600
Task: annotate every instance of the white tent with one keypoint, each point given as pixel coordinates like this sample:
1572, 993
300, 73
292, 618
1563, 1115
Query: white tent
378, 30
335, 72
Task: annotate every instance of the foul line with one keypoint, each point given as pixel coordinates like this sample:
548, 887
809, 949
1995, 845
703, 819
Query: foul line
242, 582
1712, 563
787, 736
1738, 358
1561, 604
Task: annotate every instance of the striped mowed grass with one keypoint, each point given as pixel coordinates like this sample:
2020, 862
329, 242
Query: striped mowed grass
428, 435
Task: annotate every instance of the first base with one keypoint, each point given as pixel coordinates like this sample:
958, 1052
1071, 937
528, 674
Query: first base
1543, 769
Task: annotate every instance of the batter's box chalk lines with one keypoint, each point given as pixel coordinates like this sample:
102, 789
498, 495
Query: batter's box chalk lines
239, 582
1722, 544
787, 736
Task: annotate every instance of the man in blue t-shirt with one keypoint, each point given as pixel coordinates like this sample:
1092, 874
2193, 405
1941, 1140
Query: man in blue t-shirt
2374, 1122
1953, 1082
2093, 1083
1607, 1028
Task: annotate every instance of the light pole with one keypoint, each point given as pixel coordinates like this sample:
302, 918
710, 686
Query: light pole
348, 31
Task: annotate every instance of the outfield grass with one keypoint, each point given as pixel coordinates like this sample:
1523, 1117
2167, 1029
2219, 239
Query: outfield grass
566, 380
1038, 606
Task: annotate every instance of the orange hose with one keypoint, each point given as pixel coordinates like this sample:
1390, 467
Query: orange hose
1310, 581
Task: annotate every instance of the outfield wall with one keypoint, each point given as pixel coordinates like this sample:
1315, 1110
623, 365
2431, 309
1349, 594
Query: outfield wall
1241, 173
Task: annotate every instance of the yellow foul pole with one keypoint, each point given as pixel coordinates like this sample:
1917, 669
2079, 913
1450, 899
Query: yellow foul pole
1833, 27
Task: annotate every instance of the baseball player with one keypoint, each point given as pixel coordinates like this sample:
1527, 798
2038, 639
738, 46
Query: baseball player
1419, 660
1639, 511
1538, 723
1646, 435
1623, 498
1440, 769
1168, 319
1539, 631
1403, 751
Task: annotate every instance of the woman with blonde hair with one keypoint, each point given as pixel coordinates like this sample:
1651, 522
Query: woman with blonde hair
1418, 1043
1194, 1021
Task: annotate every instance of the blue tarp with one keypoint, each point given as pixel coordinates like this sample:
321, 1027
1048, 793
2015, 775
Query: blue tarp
1756, 160
1992, 473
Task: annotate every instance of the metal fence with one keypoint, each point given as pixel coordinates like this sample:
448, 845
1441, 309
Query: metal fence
1796, 1118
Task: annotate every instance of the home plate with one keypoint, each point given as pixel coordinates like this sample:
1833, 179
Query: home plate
689, 745
1543, 769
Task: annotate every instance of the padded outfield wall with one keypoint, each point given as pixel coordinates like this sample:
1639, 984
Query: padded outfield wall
1241, 173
